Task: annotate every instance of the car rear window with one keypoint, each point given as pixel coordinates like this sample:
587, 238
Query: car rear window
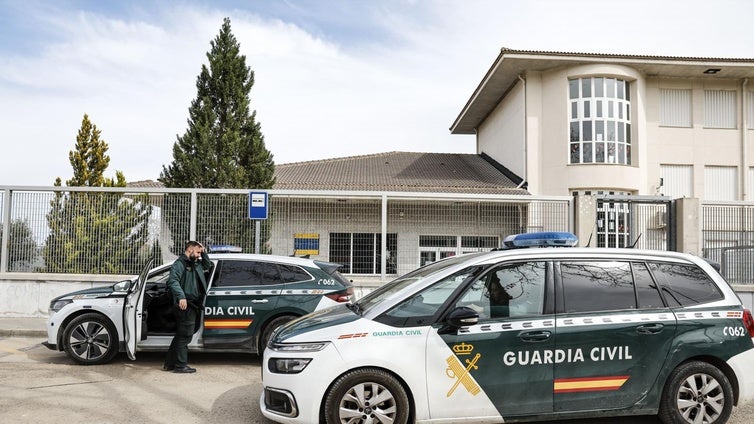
684, 285
248, 273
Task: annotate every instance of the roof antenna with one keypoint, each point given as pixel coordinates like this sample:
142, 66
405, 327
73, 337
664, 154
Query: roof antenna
589, 242
637, 240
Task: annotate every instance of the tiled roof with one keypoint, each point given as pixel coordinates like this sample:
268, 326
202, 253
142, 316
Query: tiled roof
399, 171
145, 183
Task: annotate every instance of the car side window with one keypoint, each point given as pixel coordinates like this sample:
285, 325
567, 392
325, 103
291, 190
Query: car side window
597, 286
292, 273
684, 285
247, 273
422, 307
646, 288
510, 290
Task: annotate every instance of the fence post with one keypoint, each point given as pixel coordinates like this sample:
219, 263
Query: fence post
6, 231
688, 230
192, 219
585, 219
383, 244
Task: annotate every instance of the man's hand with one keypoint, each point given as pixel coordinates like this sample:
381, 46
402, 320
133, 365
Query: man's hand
182, 304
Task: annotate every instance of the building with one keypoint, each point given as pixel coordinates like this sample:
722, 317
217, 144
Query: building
575, 123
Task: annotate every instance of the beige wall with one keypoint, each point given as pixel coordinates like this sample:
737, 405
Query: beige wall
546, 166
506, 122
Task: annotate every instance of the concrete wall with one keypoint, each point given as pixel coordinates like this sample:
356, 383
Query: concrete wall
29, 295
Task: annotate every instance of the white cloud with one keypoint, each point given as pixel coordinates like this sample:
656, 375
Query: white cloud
317, 94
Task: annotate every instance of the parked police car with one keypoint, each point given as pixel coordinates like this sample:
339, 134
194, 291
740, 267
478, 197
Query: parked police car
248, 297
521, 335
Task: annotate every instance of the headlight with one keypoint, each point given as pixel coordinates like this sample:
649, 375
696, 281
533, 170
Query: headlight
57, 305
298, 347
288, 365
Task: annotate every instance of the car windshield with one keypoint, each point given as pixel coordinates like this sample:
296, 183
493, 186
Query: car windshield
392, 288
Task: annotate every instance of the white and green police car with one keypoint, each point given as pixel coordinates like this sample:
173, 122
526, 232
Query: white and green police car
521, 335
248, 297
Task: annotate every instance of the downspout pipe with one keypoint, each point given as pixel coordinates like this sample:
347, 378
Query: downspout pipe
744, 141
526, 138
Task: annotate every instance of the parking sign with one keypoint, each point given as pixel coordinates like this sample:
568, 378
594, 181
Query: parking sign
257, 205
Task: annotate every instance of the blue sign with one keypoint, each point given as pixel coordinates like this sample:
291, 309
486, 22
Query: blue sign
257, 205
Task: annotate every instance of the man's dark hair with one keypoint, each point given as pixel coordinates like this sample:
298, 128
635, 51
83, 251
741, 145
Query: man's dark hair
191, 243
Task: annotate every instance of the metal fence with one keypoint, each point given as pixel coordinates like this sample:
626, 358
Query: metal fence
375, 236
728, 238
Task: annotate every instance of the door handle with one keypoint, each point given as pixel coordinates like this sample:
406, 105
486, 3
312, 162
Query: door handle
259, 301
649, 328
535, 336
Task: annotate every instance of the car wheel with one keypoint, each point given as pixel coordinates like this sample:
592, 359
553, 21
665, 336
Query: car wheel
696, 392
90, 339
270, 327
367, 396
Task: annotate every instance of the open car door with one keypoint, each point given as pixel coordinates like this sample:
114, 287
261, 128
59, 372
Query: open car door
132, 311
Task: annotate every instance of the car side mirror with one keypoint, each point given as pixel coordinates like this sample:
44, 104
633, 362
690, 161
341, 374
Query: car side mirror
122, 286
459, 317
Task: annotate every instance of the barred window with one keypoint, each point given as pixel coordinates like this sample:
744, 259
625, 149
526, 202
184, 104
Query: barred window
600, 120
359, 253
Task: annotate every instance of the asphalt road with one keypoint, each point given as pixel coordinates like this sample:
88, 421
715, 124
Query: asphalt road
41, 386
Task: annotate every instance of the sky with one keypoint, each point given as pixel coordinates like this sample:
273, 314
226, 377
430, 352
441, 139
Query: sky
333, 78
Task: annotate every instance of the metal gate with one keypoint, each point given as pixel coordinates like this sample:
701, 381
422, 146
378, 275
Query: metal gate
643, 222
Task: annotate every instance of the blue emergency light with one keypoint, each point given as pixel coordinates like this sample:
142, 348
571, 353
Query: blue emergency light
224, 248
541, 239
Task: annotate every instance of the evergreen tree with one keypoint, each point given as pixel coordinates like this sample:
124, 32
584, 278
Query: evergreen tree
94, 232
223, 147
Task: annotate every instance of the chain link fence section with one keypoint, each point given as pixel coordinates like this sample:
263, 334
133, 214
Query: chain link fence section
374, 236
728, 239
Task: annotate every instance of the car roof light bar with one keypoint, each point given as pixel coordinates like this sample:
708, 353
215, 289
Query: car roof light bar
541, 239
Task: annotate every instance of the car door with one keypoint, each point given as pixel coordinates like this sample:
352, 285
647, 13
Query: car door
508, 354
613, 331
132, 311
241, 295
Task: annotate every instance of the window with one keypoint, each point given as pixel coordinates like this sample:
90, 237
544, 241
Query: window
677, 181
675, 108
719, 109
433, 248
597, 286
720, 183
248, 273
685, 284
359, 253
646, 289
421, 308
600, 121
508, 291
292, 273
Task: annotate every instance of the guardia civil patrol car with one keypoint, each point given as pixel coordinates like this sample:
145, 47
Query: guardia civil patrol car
521, 335
248, 297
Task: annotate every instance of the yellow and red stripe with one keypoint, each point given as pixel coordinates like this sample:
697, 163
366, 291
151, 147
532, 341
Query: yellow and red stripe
589, 384
227, 324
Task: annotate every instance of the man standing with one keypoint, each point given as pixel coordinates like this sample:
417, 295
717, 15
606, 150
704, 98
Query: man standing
188, 284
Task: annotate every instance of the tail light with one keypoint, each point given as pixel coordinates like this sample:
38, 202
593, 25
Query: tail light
343, 296
749, 322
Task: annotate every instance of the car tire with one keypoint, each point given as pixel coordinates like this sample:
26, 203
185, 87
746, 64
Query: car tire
270, 327
693, 389
352, 393
90, 339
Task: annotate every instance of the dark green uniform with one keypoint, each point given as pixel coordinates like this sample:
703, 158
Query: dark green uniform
187, 281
